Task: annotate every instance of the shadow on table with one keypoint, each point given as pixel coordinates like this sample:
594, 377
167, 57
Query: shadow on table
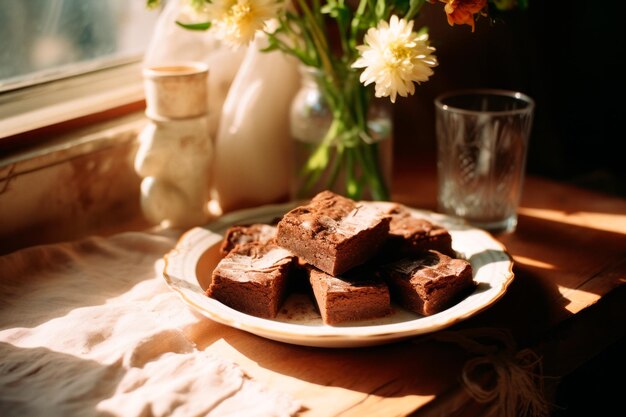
41, 382
566, 255
533, 304
550, 261
415, 367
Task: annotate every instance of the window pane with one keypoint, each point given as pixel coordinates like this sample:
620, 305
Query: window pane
41, 40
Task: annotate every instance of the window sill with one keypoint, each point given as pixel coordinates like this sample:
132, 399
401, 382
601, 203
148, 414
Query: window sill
51, 103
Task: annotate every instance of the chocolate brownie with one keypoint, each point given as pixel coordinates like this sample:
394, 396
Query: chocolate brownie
333, 233
428, 283
252, 279
410, 234
355, 296
240, 234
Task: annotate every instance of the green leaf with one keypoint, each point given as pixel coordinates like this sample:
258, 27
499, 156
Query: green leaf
153, 4
510, 4
199, 4
415, 7
329, 7
381, 8
422, 30
194, 26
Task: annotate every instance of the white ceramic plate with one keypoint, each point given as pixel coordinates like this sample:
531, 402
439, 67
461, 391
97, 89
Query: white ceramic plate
189, 265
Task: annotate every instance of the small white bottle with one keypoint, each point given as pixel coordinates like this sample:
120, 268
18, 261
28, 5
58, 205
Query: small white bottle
175, 154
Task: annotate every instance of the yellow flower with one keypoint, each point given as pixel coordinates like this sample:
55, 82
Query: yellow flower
237, 21
394, 58
462, 11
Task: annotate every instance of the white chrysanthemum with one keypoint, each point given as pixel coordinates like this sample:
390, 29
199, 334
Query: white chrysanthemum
394, 58
237, 21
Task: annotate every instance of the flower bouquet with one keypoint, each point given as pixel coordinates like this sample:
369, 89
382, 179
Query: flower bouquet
357, 51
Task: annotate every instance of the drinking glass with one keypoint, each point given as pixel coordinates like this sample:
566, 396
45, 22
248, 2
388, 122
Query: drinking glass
482, 142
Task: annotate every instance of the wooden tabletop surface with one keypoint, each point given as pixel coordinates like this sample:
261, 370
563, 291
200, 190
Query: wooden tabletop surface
569, 254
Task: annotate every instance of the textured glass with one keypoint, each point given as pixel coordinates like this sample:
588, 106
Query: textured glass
482, 140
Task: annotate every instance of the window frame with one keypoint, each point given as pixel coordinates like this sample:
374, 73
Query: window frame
51, 103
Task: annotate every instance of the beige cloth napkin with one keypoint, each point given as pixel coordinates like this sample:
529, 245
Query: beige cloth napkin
90, 328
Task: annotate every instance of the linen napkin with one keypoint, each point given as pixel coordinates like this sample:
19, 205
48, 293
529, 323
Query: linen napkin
90, 328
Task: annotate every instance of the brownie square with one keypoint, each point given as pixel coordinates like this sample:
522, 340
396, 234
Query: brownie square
333, 233
428, 283
252, 279
409, 234
355, 296
241, 234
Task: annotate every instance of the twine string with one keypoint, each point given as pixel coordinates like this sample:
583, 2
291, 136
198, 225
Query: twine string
511, 379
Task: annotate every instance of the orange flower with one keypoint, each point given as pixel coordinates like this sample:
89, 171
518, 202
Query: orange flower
462, 11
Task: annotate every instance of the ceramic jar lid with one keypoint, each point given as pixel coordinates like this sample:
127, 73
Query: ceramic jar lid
176, 91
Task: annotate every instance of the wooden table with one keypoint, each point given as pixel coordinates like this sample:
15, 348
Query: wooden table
565, 303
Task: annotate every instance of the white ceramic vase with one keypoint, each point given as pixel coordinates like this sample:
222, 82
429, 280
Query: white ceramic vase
253, 145
175, 153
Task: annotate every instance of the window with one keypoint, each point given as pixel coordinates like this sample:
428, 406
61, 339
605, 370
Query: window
62, 59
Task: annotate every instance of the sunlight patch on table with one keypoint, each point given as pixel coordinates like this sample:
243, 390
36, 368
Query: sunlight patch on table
533, 262
578, 299
615, 223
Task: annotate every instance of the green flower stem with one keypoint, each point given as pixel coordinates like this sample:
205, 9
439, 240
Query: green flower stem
336, 167
357, 22
368, 156
319, 159
353, 188
319, 39
342, 150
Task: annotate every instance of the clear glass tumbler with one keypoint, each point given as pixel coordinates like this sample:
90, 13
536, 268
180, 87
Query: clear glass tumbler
482, 142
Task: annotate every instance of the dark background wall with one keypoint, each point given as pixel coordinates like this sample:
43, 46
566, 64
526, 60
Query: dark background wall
566, 55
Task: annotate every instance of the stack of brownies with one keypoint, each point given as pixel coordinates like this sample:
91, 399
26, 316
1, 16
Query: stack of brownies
355, 257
